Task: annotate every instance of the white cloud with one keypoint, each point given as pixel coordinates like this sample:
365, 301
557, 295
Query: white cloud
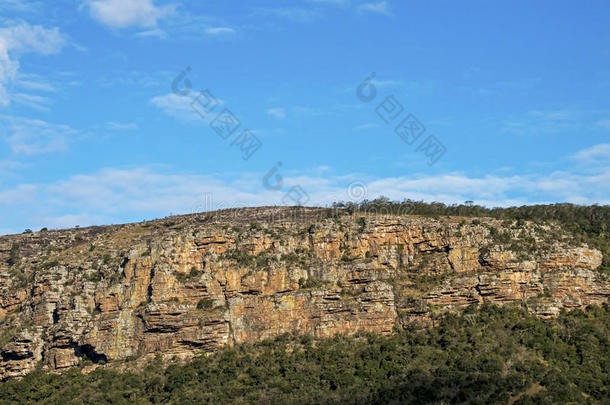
19, 5
32, 137
219, 30
159, 33
175, 105
537, 122
23, 38
299, 111
380, 7
21, 195
387, 83
557, 115
9, 169
189, 26
40, 103
115, 195
142, 190
33, 82
128, 13
7, 164
363, 127
277, 112
184, 108
300, 15
306, 111
121, 126
8, 71
594, 153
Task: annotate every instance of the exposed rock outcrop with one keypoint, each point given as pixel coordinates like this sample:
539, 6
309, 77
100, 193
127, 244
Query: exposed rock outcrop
185, 284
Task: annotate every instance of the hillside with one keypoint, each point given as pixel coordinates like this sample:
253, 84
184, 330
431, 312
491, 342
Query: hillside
487, 355
122, 295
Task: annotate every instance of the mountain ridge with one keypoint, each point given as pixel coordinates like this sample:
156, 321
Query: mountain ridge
120, 294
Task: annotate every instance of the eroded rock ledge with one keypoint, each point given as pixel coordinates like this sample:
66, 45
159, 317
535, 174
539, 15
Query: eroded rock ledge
185, 284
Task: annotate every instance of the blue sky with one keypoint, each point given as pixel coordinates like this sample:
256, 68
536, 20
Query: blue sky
513, 93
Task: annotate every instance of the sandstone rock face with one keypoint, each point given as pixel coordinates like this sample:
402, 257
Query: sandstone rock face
188, 284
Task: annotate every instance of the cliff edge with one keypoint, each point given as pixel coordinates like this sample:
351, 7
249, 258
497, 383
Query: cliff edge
180, 285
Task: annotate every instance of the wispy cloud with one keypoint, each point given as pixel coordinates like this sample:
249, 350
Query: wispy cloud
301, 15
180, 107
380, 7
387, 83
23, 37
557, 115
189, 26
537, 121
21, 194
39, 103
137, 78
277, 112
156, 32
8, 167
299, 111
33, 137
219, 30
366, 126
114, 195
307, 111
154, 20
19, 5
594, 154
20, 38
34, 82
128, 13
175, 105
121, 126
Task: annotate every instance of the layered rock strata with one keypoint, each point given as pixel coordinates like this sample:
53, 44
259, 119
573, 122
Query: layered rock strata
183, 285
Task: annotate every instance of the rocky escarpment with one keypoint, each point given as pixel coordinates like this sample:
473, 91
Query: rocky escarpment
182, 285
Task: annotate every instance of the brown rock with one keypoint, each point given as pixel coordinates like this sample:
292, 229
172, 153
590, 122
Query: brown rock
185, 284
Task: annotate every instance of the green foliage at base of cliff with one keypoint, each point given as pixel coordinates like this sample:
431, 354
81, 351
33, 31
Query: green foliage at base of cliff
486, 355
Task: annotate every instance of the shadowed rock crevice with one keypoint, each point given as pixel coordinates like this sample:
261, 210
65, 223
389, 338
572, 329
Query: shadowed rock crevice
88, 352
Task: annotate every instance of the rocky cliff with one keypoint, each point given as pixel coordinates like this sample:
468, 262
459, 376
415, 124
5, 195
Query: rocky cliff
182, 285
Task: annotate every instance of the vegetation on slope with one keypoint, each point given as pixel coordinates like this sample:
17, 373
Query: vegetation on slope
483, 356
589, 224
